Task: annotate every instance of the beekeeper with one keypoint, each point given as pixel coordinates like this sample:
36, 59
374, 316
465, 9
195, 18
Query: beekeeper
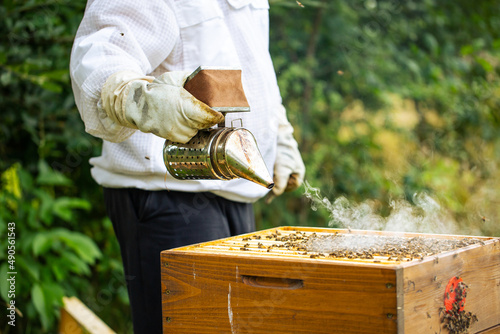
129, 62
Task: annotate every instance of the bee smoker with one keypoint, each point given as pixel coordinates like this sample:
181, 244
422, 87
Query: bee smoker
220, 153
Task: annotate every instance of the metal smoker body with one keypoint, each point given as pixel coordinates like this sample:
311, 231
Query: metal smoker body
222, 153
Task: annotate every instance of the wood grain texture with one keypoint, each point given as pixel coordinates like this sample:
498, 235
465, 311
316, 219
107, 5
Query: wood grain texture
492, 330
216, 288
210, 296
424, 287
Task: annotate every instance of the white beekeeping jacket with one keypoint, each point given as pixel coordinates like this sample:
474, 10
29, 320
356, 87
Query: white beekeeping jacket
152, 37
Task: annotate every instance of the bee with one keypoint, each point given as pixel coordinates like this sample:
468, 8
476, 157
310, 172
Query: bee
441, 311
299, 3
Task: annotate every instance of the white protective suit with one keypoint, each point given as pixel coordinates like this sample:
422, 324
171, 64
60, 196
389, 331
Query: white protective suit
155, 36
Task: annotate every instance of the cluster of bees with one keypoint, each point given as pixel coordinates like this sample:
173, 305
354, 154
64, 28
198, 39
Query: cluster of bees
355, 246
289, 241
458, 321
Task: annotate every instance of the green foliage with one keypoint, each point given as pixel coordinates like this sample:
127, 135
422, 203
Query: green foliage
49, 259
46, 189
388, 98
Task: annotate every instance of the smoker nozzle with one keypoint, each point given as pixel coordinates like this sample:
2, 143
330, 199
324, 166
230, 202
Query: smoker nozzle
244, 158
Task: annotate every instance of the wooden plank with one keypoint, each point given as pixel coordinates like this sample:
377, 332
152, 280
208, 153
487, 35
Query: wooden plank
400, 300
371, 232
76, 318
210, 296
233, 244
424, 287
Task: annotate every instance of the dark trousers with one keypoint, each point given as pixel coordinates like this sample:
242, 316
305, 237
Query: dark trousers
147, 222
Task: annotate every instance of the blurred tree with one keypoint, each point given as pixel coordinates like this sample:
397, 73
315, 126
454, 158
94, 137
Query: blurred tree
390, 98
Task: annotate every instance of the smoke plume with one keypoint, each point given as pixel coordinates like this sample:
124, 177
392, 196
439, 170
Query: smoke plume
425, 216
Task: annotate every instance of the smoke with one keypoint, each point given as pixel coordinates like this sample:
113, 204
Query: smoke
425, 216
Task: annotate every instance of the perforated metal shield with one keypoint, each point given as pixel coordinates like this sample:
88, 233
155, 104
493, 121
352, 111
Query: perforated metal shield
192, 161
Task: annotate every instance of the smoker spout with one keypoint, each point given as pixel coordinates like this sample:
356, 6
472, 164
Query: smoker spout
244, 159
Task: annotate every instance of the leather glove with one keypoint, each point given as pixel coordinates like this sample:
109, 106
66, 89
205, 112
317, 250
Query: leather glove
289, 168
160, 106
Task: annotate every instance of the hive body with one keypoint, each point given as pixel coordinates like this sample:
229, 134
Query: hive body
254, 284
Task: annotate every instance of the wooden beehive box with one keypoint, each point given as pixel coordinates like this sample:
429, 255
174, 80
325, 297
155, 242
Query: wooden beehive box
235, 285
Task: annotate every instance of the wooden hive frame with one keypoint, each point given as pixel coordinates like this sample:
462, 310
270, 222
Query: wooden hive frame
235, 285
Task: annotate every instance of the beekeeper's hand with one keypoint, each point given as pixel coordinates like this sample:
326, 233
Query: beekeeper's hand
289, 168
160, 106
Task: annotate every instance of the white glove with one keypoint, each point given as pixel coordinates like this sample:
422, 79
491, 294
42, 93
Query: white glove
289, 168
160, 106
